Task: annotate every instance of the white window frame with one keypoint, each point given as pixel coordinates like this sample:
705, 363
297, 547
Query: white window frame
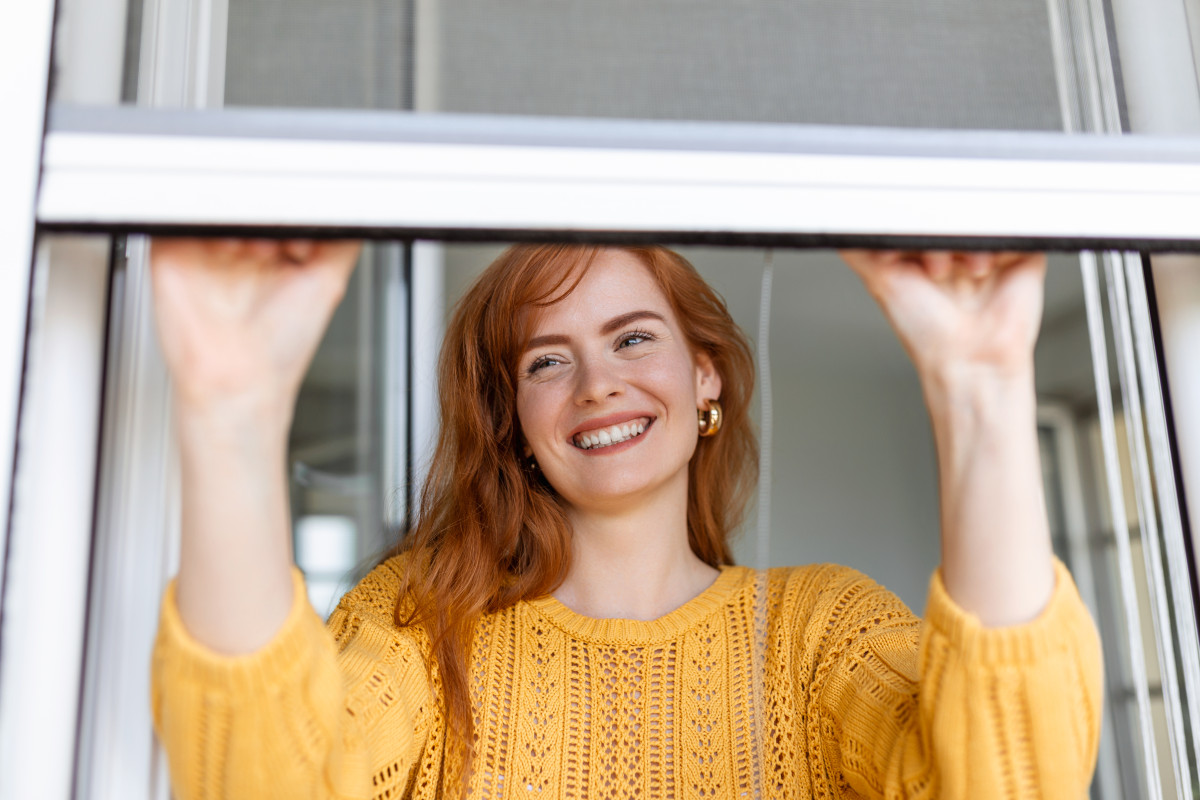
412, 175
25, 46
124, 170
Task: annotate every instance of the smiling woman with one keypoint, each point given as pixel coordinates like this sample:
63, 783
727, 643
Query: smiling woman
565, 616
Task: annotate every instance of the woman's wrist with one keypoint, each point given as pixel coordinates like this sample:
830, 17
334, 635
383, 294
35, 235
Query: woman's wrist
980, 393
262, 418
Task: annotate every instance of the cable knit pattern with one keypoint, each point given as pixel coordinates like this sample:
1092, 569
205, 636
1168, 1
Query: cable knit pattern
808, 682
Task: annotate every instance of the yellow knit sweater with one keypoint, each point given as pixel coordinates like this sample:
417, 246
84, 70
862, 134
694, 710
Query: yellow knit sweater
809, 682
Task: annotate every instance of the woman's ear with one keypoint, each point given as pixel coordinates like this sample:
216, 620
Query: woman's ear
708, 380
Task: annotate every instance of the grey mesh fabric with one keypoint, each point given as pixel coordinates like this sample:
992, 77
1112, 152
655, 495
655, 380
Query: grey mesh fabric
922, 63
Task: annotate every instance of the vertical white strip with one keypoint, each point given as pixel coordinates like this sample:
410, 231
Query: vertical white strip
46, 593
25, 38
767, 414
1116, 499
90, 40
393, 400
1177, 289
1157, 67
1168, 500
1162, 88
428, 328
41, 630
1192, 9
213, 30
136, 547
1083, 66
426, 60
1135, 432
181, 64
1062, 49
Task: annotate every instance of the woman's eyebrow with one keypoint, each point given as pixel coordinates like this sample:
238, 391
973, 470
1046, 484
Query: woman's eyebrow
633, 316
613, 324
548, 339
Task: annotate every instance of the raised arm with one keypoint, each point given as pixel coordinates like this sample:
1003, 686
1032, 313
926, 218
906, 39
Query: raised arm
969, 321
252, 695
238, 322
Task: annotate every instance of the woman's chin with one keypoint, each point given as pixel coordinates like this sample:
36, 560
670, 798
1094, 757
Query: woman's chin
623, 490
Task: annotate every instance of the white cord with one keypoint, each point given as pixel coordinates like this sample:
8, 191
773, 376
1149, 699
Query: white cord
763, 554
763, 550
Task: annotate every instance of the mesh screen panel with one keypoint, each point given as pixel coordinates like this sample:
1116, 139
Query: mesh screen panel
926, 63
314, 53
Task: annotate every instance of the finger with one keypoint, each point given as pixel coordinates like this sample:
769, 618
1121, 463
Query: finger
939, 264
299, 250
180, 252
264, 249
864, 261
226, 248
1034, 262
342, 254
337, 259
978, 265
162, 247
855, 258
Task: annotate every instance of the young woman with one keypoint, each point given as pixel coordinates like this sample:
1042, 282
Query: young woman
564, 620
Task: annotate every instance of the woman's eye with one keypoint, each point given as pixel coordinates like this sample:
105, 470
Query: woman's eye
636, 337
539, 363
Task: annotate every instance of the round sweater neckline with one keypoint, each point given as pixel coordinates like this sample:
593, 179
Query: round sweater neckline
636, 631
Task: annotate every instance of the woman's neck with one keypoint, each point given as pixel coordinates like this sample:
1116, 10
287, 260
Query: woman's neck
636, 564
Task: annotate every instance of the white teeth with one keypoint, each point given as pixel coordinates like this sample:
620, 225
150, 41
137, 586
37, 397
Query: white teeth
609, 436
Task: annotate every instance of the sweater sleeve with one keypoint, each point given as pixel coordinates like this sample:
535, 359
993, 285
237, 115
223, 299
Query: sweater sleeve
310, 715
946, 708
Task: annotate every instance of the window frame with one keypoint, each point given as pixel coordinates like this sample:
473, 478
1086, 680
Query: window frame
133, 170
456, 176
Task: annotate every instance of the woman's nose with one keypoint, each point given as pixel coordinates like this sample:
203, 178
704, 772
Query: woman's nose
596, 380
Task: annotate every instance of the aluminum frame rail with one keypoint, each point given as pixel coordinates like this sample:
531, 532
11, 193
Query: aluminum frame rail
462, 176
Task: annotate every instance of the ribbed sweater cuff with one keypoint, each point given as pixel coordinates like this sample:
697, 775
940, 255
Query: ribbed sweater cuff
260, 671
1018, 644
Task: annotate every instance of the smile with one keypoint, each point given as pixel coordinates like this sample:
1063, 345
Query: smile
613, 434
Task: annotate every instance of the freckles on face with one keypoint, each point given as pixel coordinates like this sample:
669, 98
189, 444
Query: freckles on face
608, 389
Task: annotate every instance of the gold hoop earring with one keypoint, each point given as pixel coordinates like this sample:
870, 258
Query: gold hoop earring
710, 420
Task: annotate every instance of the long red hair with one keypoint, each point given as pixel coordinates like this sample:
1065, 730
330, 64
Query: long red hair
489, 532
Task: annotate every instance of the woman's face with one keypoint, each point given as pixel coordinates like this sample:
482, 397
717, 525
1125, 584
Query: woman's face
608, 389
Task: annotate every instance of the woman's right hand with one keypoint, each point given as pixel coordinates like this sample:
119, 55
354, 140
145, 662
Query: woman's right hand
239, 322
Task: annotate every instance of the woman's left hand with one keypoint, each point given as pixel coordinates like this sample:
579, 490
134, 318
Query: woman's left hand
955, 310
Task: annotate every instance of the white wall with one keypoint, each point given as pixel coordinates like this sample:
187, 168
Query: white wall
854, 479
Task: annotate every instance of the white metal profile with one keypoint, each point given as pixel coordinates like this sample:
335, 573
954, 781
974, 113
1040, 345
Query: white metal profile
24, 75
365, 171
25, 42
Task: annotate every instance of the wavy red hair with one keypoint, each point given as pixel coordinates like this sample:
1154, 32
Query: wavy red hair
489, 532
